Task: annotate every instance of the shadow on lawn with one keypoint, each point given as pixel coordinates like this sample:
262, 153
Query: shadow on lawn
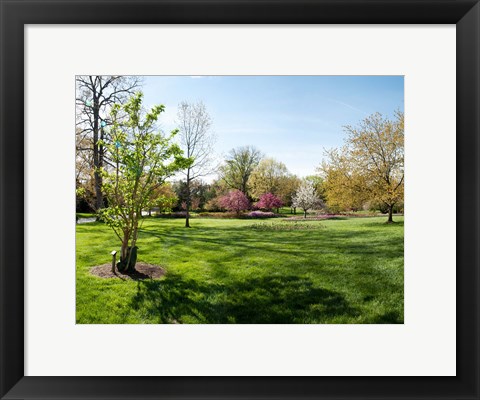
242, 239
278, 298
265, 300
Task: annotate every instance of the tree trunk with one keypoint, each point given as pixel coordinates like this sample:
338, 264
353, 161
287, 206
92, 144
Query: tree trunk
123, 252
304, 213
187, 217
390, 214
128, 256
97, 162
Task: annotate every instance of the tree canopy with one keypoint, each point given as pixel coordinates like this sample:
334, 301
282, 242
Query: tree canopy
235, 200
369, 167
270, 176
268, 201
306, 198
95, 97
238, 166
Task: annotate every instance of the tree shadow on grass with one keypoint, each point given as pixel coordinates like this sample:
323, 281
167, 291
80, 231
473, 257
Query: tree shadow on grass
390, 317
321, 249
263, 300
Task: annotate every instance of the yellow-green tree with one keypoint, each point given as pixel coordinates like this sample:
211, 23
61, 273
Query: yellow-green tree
344, 185
289, 187
163, 197
369, 167
268, 177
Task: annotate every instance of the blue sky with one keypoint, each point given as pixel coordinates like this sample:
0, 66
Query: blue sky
290, 118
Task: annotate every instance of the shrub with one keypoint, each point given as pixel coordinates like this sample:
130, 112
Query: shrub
286, 226
260, 214
268, 201
177, 214
235, 200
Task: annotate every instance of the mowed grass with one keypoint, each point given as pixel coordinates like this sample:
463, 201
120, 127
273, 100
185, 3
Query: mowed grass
248, 271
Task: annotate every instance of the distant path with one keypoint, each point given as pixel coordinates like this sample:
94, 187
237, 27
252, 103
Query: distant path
93, 219
86, 220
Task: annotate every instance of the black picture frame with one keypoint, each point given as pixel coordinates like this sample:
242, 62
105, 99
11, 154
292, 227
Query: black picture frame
15, 14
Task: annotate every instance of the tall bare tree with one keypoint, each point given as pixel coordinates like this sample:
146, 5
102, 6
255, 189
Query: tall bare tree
95, 95
196, 140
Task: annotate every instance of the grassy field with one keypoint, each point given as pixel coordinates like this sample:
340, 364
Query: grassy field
347, 270
85, 215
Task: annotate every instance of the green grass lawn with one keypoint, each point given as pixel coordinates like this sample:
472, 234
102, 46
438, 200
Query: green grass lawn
85, 215
248, 271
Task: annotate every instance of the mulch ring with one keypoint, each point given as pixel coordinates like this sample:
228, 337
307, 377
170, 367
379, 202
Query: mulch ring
143, 271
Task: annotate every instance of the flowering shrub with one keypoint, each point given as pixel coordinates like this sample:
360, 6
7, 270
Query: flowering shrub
235, 200
327, 216
178, 214
268, 201
285, 226
218, 215
260, 214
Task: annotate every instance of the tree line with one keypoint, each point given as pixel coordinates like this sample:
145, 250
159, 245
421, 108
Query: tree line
125, 164
367, 172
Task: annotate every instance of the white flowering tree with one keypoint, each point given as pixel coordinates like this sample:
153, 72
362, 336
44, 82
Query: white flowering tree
306, 198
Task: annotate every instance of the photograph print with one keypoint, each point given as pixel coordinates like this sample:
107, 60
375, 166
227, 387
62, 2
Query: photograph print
239, 199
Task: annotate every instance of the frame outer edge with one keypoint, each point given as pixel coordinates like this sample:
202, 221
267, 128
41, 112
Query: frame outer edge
468, 201
11, 200
11, 209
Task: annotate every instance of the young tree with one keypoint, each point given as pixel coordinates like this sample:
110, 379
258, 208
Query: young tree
268, 201
142, 159
95, 96
235, 200
238, 167
196, 140
371, 164
306, 198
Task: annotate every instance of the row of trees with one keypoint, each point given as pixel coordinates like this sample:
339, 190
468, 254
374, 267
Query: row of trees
125, 162
203, 197
366, 172
305, 198
245, 168
95, 97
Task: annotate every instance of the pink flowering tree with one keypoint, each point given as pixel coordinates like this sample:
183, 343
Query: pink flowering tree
235, 200
268, 201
